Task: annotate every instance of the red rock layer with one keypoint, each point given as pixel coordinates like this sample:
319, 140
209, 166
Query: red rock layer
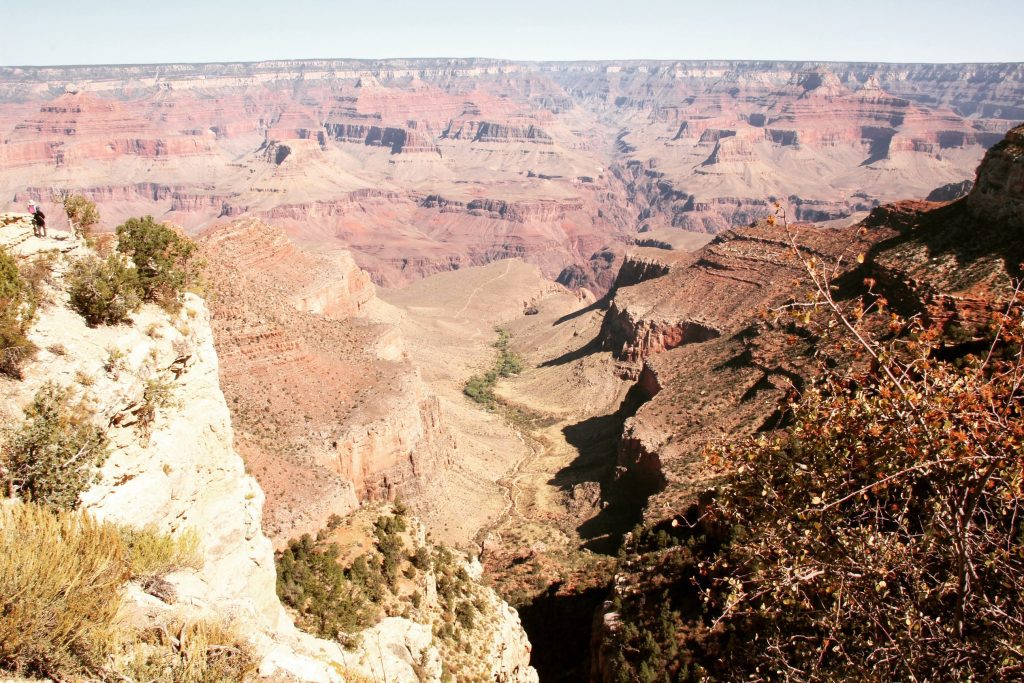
327, 410
557, 163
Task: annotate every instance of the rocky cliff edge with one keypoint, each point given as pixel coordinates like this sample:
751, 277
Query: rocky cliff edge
180, 471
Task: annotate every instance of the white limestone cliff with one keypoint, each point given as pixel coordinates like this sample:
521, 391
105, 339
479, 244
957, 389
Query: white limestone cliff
182, 472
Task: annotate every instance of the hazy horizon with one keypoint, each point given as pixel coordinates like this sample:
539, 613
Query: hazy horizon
484, 58
65, 33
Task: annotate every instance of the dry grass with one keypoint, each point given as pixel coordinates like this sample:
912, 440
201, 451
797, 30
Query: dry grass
351, 676
60, 591
190, 652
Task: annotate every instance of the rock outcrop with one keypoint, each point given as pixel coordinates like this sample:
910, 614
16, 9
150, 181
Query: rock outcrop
349, 419
953, 263
703, 357
950, 191
178, 470
998, 194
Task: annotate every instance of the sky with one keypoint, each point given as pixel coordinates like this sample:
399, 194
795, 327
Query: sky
45, 32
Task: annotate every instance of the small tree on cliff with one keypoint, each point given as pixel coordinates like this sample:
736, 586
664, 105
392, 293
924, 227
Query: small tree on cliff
17, 309
82, 214
163, 259
104, 291
51, 457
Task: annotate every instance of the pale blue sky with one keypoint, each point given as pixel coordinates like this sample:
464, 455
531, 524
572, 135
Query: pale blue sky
142, 31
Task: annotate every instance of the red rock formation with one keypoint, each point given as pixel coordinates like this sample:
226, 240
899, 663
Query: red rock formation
998, 193
551, 162
949, 262
349, 418
646, 263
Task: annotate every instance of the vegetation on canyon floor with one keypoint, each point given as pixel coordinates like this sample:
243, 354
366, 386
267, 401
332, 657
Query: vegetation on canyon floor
877, 536
480, 388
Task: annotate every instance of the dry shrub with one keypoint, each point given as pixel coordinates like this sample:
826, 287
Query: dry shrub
37, 274
103, 243
157, 394
191, 652
60, 590
152, 554
877, 537
352, 676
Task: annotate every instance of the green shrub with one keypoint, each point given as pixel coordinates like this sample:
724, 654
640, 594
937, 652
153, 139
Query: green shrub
60, 579
163, 259
81, 213
105, 292
480, 388
329, 601
51, 457
465, 613
17, 310
390, 544
421, 558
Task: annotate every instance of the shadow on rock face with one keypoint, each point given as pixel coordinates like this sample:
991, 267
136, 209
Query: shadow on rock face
559, 626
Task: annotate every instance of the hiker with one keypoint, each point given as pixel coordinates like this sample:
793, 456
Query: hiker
38, 219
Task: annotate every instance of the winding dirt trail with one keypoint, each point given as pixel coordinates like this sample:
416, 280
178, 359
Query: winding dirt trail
469, 300
510, 489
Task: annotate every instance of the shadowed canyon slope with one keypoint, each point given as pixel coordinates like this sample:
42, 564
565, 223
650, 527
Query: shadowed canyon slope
715, 365
421, 166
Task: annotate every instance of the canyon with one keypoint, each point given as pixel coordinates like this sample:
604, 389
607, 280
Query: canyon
370, 229
421, 166
178, 472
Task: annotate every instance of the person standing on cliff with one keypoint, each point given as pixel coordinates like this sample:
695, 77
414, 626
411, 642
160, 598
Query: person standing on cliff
38, 219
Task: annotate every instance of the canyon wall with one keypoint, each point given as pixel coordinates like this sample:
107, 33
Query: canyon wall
954, 264
349, 418
419, 166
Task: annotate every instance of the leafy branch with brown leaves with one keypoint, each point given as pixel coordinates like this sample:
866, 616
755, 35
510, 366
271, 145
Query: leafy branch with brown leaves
879, 535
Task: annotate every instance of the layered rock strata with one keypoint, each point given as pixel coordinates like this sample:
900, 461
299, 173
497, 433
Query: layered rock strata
550, 162
330, 412
954, 264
